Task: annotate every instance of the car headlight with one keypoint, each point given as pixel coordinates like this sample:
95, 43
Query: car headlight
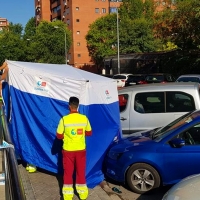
114, 155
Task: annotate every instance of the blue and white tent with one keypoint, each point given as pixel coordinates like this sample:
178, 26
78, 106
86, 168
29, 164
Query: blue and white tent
38, 97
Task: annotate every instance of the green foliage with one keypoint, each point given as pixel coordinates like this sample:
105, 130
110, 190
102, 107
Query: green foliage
30, 29
136, 36
49, 43
182, 25
168, 46
135, 31
16, 28
132, 9
11, 47
102, 38
44, 43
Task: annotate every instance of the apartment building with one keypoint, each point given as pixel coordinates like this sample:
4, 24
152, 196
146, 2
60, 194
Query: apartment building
3, 23
78, 15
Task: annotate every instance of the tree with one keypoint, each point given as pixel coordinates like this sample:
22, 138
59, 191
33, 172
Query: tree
135, 31
11, 45
136, 9
181, 25
136, 36
16, 28
102, 38
30, 29
48, 43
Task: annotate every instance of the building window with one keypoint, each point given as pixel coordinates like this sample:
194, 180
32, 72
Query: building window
103, 10
79, 55
68, 21
77, 20
78, 44
113, 9
77, 8
67, 11
77, 32
56, 9
96, 10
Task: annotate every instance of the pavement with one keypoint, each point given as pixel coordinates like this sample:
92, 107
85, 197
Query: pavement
44, 185
2, 186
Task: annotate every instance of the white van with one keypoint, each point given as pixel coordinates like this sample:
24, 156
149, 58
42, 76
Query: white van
154, 105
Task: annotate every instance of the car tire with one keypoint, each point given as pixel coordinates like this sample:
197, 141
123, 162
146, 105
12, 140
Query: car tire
142, 178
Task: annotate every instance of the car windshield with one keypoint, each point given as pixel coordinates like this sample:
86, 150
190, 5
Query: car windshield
175, 124
188, 79
119, 77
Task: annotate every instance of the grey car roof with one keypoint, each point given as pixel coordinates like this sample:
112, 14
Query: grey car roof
190, 75
161, 86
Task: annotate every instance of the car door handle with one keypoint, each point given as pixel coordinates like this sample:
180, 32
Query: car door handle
122, 118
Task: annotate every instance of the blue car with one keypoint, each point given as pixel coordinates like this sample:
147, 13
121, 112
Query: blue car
147, 160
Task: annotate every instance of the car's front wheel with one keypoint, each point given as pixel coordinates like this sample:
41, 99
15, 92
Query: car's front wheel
142, 178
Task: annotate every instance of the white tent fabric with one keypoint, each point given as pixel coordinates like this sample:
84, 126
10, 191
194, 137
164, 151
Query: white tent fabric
39, 96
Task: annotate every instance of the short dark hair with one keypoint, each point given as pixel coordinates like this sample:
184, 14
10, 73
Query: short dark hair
73, 101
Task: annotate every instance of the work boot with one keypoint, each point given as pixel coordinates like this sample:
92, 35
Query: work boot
27, 167
32, 169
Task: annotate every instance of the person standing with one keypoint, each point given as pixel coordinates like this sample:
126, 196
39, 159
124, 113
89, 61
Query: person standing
72, 129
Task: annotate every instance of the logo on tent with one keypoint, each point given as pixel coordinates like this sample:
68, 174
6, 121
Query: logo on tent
107, 94
41, 86
40, 83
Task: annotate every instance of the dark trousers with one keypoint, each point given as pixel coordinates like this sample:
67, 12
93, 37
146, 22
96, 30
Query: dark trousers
74, 160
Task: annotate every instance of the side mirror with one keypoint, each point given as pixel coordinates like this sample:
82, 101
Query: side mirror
177, 142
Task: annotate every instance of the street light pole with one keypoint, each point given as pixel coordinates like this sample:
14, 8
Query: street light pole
65, 43
118, 59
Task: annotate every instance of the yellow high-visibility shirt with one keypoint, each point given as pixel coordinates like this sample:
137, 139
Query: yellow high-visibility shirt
73, 127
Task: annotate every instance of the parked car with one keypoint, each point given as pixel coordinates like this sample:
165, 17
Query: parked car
149, 106
135, 79
121, 79
159, 78
146, 160
189, 78
107, 75
186, 189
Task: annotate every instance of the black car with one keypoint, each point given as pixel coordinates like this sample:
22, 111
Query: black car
159, 78
135, 79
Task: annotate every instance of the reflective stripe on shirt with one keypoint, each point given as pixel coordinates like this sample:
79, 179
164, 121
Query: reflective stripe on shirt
68, 125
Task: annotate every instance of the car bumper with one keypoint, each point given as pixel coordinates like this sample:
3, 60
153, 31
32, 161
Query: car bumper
114, 170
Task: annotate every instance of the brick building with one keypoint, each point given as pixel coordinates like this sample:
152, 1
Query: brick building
77, 14
3, 23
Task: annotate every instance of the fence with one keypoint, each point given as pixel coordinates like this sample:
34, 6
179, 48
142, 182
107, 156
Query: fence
14, 189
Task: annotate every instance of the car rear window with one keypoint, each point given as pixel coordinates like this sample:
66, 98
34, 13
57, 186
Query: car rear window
188, 79
155, 78
136, 78
119, 77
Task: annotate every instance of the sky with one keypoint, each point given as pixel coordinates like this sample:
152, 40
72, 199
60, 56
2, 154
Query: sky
17, 11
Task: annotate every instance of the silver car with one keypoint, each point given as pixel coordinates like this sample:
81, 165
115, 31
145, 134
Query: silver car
150, 106
187, 189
